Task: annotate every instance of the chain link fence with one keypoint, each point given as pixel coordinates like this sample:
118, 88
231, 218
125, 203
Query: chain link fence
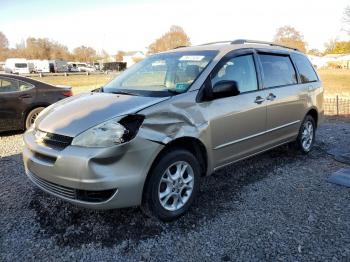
336, 106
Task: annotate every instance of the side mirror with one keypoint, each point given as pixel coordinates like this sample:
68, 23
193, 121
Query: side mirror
225, 88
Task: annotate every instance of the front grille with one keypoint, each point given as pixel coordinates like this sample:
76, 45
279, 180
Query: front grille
71, 193
54, 188
45, 158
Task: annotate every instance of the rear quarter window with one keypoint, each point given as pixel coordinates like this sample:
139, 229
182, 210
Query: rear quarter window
278, 70
305, 69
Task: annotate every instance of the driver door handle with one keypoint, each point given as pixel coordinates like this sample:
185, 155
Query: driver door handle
259, 100
25, 96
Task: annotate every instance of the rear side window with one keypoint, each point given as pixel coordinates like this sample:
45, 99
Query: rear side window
23, 86
306, 71
277, 70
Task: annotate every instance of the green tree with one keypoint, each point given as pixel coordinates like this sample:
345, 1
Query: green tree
175, 37
337, 47
289, 36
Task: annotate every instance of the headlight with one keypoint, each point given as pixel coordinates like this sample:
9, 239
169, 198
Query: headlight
106, 134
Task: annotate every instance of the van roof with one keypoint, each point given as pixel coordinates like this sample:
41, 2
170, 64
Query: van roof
17, 59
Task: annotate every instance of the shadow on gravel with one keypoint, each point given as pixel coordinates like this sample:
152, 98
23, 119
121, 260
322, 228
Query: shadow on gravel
69, 225
10, 133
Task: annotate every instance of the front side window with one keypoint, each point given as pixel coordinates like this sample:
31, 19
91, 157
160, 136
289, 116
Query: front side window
240, 69
162, 74
306, 71
8, 85
277, 70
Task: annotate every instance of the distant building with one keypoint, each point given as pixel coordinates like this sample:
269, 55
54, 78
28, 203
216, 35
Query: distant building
133, 57
108, 59
318, 61
331, 61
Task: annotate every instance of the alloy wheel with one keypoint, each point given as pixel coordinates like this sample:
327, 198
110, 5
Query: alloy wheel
307, 135
176, 186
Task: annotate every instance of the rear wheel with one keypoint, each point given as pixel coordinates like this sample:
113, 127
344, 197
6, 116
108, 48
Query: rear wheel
306, 136
172, 186
32, 115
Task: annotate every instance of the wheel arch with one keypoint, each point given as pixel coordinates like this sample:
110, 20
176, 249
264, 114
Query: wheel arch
29, 109
193, 145
314, 114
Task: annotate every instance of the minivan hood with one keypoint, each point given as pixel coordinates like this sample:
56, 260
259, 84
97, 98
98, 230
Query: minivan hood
76, 114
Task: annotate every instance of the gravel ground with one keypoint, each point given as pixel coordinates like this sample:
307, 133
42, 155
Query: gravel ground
275, 206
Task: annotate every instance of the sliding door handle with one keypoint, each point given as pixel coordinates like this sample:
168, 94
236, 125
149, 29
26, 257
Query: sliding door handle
259, 100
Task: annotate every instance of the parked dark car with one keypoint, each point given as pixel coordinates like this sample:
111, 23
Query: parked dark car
22, 99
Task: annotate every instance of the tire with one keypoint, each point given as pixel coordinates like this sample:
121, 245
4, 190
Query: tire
31, 116
170, 198
306, 136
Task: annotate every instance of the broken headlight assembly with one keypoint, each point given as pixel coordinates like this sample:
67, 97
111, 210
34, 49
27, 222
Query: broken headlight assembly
110, 133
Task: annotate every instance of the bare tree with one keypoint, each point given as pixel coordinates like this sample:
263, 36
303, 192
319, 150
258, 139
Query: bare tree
346, 19
84, 54
174, 38
43, 48
119, 56
315, 52
289, 36
4, 42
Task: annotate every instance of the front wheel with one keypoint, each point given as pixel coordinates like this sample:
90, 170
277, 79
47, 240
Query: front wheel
172, 185
32, 115
306, 136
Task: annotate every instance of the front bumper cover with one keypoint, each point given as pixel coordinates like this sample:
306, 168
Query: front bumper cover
120, 171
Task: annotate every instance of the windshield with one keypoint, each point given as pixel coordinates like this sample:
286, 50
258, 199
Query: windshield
162, 74
21, 65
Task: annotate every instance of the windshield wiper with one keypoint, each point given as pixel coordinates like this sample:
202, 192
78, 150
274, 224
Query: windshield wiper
173, 91
123, 93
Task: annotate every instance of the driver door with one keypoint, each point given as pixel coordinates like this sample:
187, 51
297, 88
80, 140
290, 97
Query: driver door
237, 123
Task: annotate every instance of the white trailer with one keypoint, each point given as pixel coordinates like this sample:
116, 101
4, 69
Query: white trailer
18, 66
42, 66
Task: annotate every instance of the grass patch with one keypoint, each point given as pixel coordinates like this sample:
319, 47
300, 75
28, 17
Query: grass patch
335, 81
79, 83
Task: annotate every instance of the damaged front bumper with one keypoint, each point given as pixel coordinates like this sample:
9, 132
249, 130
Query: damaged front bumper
100, 178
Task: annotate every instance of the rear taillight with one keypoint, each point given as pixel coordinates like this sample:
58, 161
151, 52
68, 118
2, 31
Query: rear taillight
68, 93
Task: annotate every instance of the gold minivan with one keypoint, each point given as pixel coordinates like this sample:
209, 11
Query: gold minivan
148, 136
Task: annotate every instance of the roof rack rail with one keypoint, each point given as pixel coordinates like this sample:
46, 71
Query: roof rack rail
180, 46
218, 42
246, 41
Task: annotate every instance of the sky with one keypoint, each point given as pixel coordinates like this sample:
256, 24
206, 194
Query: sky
134, 24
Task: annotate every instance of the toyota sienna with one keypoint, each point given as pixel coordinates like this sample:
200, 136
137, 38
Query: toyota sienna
147, 137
